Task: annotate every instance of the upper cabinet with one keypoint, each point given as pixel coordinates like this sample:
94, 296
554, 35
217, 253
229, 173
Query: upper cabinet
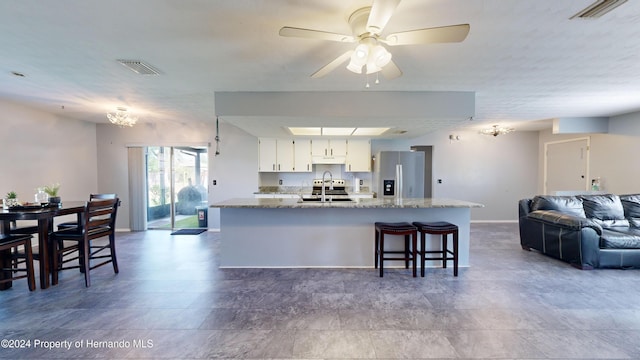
328, 151
267, 154
284, 155
302, 155
275, 155
288, 155
358, 157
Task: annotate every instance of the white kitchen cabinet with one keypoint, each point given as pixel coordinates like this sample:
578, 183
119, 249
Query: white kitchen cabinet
328, 151
358, 156
329, 147
302, 155
275, 155
268, 155
284, 155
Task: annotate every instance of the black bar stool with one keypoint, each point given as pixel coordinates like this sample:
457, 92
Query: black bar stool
400, 228
9, 243
439, 228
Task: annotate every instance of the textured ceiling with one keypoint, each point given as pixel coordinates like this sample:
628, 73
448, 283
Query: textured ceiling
525, 60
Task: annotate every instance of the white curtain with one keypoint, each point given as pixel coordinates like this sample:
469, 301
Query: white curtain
137, 193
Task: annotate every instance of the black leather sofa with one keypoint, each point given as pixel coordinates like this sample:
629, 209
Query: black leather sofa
587, 231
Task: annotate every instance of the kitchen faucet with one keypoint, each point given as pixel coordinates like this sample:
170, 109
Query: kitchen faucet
324, 194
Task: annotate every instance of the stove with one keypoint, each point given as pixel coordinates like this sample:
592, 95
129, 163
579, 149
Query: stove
338, 187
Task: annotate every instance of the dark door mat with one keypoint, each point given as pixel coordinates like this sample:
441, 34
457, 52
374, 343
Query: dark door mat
188, 231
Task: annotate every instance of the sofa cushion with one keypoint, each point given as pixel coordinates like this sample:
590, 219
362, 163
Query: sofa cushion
631, 205
607, 210
571, 205
611, 239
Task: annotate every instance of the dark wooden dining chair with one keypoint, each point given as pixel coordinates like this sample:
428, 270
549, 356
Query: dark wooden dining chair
71, 244
74, 224
19, 253
8, 244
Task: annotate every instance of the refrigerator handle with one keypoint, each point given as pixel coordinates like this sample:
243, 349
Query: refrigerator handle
398, 187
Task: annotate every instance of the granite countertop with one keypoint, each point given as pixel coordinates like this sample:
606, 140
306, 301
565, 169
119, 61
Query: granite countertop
390, 203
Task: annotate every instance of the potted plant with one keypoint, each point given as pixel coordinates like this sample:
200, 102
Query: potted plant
52, 191
10, 200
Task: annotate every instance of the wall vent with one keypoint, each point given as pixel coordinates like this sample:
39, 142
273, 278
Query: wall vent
139, 67
598, 9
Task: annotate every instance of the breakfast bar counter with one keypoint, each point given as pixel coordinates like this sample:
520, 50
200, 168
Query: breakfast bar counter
293, 233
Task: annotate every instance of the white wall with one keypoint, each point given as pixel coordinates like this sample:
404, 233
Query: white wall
39, 148
235, 169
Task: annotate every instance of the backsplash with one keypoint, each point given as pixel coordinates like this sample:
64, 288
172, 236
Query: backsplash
302, 190
303, 181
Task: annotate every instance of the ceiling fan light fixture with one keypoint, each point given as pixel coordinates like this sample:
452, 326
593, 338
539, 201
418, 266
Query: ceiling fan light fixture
372, 67
358, 58
361, 53
380, 56
354, 68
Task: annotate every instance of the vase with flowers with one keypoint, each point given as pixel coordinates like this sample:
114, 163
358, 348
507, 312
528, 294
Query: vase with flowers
52, 191
10, 200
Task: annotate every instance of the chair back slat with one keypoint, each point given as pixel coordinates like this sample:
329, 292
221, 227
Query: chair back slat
102, 196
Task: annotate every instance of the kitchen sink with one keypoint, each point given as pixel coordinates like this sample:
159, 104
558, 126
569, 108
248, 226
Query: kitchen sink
320, 199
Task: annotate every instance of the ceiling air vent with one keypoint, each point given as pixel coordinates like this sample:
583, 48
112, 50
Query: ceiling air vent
139, 67
598, 9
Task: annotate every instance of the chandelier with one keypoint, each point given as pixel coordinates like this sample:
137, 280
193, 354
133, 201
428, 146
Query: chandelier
122, 118
496, 130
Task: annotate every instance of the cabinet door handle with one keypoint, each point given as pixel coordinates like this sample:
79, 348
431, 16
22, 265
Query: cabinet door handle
331, 152
278, 167
325, 152
274, 167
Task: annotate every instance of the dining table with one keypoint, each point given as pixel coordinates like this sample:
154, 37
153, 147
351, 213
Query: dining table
44, 215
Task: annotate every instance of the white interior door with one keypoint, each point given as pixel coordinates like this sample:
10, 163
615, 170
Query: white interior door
566, 166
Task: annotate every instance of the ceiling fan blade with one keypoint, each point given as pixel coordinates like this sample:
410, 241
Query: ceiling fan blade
391, 71
314, 34
332, 65
381, 12
444, 34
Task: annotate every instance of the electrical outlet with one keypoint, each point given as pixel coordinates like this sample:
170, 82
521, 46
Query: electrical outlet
280, 182
361, 182
215, 182
439, 181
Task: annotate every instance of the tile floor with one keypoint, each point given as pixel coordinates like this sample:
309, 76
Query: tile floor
171, 301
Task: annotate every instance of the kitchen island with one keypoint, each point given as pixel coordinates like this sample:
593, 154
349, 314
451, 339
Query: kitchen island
293, 233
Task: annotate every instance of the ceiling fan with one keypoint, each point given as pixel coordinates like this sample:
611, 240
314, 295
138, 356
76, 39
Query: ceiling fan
370, 55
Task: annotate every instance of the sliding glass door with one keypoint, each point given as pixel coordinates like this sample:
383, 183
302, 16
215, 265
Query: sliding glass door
177, 181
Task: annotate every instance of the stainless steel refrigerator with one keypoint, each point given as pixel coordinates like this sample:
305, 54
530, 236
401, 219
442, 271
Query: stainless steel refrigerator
400, 174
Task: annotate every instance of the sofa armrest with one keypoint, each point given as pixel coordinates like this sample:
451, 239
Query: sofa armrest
567, 221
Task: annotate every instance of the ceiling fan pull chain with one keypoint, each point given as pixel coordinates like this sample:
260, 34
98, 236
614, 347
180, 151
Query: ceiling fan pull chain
367, 84
377, 78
